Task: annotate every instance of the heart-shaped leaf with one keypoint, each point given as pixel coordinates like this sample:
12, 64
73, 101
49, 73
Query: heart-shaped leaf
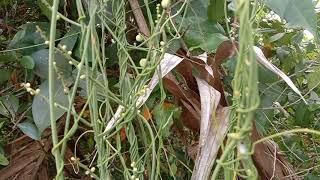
40, 105
27, 62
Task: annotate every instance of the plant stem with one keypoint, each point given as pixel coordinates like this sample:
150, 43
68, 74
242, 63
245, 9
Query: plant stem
58, 158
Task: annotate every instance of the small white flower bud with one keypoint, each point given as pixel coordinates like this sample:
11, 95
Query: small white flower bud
64, 47
37, 91
27, 85
47, 42
82, 76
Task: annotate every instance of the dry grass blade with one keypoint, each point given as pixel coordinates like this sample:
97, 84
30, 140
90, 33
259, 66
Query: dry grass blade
214, 125
263, 60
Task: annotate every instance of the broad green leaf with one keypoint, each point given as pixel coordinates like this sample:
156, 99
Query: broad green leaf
9, 106
30, 129
8, 57
313, 78
302, 116
5, 75
40, 104
164, 118
41, 59
3, 160
276, 37
70, 38
297, 13
203, 34
29, 36
216, 10
27, 62
200, 32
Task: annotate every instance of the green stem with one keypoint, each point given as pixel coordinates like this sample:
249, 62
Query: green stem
58, 158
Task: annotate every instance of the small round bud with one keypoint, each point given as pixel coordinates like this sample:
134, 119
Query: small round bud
58, 16
165, 4
93, 169
69, 52
139, 38
132, 177
162, 43
73, 158
143, 62
66, 90
64, 47
156, 21
70, 62
87, 172
113, 41
37, 91
82, 76
47, 42
27, 85
55, 104
135, 169
31, 93
54, 63
133, 164
29, 89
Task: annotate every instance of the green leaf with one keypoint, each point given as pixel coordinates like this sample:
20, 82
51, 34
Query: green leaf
29, 36
41, 59
30, 129
313, 78
8, 57
27, 62
9, 106
216, 10
276, 37
70, 38
5, 75
200, 32
3, 160
40, 105
164, 117
297, 13
302, 115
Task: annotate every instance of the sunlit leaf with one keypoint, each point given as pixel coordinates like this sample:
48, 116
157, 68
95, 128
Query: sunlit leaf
297, 13
3, 160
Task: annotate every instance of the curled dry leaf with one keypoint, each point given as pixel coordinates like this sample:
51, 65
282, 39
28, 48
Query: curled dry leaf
263, 60
214, 125
269, 161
